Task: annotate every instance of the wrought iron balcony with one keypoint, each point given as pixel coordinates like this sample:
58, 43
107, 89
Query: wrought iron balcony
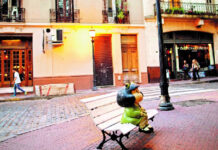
12, 14
202, 9
114, 17
69, 16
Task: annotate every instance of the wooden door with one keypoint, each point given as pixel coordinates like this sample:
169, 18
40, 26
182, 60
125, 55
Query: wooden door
7, 72
103, 60
20, 59
130, 58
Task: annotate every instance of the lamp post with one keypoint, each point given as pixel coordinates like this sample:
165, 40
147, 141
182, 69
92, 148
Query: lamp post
165, 98
92, 35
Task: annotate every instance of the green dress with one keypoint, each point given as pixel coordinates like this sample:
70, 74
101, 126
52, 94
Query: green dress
132, 115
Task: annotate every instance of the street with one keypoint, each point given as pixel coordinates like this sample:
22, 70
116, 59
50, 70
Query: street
63, 122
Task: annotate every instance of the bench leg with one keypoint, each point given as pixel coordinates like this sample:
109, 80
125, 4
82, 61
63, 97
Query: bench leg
114, 137
121, 143
103, 141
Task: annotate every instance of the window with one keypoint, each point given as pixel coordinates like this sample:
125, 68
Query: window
13, 5
65, 7
209, 1
5, 6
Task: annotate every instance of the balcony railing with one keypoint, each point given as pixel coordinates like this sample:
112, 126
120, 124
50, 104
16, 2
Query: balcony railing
12, 15
188, 8
69, 16
113, 17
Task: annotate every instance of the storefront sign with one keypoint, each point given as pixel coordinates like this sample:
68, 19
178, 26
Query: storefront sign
193, 47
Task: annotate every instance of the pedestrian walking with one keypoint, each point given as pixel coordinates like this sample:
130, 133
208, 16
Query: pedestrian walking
186, 70
195, 69
17, 82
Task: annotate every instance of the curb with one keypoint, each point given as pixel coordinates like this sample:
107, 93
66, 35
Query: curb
34, 97
197, 82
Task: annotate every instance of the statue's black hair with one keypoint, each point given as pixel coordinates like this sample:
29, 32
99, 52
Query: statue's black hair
125, 97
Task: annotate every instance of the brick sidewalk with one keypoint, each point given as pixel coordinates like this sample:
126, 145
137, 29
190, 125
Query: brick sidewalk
185, 128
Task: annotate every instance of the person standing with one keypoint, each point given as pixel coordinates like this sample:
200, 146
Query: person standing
185, 69
17, 82
195, 69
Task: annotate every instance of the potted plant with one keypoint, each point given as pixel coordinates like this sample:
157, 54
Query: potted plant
120, 16
177, 10
168, 11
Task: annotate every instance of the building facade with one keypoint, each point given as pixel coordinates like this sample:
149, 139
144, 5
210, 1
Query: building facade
190, 31
49, 41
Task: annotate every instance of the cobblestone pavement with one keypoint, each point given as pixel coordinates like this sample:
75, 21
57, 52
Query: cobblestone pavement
23, 116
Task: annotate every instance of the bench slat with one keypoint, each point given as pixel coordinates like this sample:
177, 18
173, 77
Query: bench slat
109, 123
95, 98
101, 102
151, 113
108, 116
104, 109
124, 128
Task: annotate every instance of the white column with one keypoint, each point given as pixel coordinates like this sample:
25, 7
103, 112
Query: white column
177, 57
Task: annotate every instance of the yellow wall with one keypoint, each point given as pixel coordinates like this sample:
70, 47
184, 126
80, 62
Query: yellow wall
90, 11
149, 7
74, 56
136, 11
151, 43
37, 11
117, 53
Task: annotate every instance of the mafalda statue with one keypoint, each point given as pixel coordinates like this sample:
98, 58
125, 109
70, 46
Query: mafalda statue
130, 97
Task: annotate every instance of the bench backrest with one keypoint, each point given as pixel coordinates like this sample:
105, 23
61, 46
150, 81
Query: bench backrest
104, 109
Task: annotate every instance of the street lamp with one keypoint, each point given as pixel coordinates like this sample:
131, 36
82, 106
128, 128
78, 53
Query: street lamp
92, 35
165, 98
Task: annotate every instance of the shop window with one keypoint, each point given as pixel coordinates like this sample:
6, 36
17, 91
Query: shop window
201, 52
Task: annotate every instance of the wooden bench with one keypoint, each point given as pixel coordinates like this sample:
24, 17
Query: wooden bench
106, 114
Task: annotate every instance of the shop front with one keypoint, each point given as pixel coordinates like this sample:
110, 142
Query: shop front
189, 45
15, 53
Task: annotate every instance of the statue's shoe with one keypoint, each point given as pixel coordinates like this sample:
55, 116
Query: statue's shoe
150, 127
146, 130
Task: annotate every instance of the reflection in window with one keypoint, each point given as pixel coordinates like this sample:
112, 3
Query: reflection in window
5, 6
14, 2
64, 7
